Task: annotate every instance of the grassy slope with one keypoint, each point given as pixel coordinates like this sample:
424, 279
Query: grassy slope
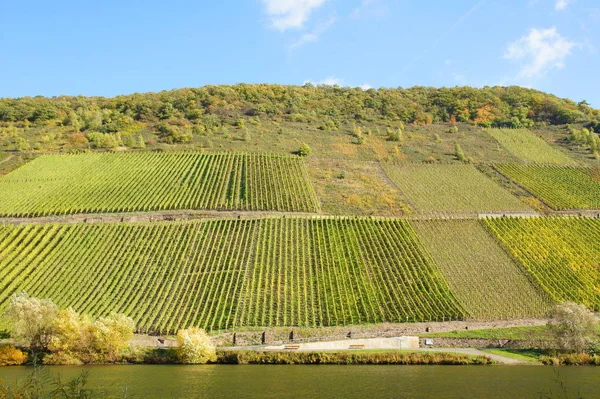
419, 143
522, 355
355, 188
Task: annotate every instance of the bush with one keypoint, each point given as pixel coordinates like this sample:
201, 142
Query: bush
304, 150
173, 134
11, 356
571, 359
195, 347
394, 135
460, 155
112, 334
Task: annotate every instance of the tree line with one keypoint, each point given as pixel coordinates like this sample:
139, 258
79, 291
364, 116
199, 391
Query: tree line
212, 106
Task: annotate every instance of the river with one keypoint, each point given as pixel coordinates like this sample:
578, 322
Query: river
332, 381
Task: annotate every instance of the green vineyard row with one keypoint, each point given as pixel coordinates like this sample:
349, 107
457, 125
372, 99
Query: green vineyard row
129, 182
561, 187
451, 188
221, 274
528, 147
225, 273
480, 273
561, 254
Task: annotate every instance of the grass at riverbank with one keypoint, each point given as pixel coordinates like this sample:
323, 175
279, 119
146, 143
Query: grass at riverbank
571, 359
517, 354
375, 357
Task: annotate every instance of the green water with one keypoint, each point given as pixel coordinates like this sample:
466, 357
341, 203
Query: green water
370, 382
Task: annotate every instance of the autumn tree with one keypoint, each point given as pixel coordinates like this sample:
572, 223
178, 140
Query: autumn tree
194, 346
31, 320
573, 326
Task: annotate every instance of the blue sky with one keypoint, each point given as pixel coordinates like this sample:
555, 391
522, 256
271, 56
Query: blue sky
119, 47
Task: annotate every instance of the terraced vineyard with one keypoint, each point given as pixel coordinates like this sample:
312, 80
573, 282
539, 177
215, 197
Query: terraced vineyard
224, 273
129, 182
342, 271
485, 280
562, 254
451, 188
528, 147
561, 187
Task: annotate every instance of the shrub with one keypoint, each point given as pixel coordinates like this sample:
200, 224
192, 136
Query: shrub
460, 155
304, 150
11, 356
195, 347
62, 358
394, 135
173, 134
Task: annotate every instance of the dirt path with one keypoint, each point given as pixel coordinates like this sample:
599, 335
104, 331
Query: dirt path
152, 216
7, 159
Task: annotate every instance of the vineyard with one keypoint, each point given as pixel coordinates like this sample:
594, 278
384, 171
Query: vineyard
485, 280
451, 188
130, 182
562, 254
561, 187
225, 273
528, 147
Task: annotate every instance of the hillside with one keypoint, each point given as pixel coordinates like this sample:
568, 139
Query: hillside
309, 206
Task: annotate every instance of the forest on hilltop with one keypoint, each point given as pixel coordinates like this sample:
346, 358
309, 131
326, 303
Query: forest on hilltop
214, 105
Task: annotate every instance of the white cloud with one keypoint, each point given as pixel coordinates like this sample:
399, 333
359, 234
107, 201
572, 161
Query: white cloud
366, 86
315, 34
539, 51
370, 8
563, 4
459, 78
287, 14
329, 81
